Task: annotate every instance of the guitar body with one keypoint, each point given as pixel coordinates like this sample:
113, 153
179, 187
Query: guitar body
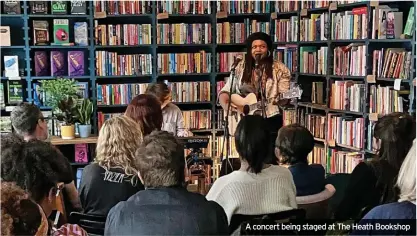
253, 104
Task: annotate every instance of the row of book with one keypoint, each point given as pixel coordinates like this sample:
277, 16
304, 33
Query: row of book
387, 23
313, 61
55, 7
194, 120
172, 63
314, 28
183, 33
334, 161
288, 55
228, 32
350, 60
287, 6
123, 7
226, 59
347, 95
317, 92
61, 33
345, 130
118, 94
59, 63
238, 7
220, 147
122, 34
350, 24
11, 93
317, 156
285, 30
391, 63
190, 91
308, 4
313, 122
184, 7
385, 100
114, 64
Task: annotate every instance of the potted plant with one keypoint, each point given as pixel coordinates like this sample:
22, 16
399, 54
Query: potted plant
84, 113
68, 117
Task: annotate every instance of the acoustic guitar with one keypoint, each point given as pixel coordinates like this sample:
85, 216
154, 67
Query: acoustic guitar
250, 105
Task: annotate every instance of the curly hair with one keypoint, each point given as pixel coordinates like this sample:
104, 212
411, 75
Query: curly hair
146, 110
118, 140
25, 118
35, 166
19, 214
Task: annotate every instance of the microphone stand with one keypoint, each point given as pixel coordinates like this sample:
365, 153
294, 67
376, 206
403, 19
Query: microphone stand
226, 125
260, 86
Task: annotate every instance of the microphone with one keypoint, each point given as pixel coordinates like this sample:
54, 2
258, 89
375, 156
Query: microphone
236, 62
257, 59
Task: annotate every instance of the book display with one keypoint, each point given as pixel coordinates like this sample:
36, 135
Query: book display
353, 59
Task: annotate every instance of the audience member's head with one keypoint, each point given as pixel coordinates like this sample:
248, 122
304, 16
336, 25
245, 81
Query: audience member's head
145, 109
118, 140
161, 91
293, 144
406, 181
19, 214
160, 160
395, 134
28, 122
34, 167
252, 138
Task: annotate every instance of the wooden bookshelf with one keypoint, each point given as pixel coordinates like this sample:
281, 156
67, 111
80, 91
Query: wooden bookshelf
55, 140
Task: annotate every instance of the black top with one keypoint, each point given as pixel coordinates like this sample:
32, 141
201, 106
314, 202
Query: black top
371, 184
308, 179
166, 211
100, 190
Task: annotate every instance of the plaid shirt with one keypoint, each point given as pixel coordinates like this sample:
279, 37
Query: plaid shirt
278, 84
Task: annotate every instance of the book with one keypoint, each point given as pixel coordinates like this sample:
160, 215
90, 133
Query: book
61, 31
58, 64
79, 175
342, 161
183, 33
199, 119
170, 63
39, 96
238, 7
2, 100
5, 124
394, 25
78, 7
184, 7
102, 117
196, 91
123, 34
42, 67
11, 7
40, 32
286, 30
350, 60
5, 36
318, 156
410, 24
313, 60
15, 91
76, 66
81, 153
345, 130
81, 33
123, 7
112, 63
82, 90
231, 32
347, 95
288, 55
59, 7
39, 7
315, 27
118, 94
11, 66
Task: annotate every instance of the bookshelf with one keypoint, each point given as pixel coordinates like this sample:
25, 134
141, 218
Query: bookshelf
24, 49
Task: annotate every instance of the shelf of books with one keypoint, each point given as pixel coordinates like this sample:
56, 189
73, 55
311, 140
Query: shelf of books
354, 60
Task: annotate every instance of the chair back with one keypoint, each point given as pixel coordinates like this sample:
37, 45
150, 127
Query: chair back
317, 205
92, 224
240, 221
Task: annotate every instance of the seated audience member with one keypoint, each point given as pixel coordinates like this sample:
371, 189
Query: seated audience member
33, 166
165, 206
372, 182
172, 115
113, 176
256, 188
292, 146
405, 208
146, 110
28, 123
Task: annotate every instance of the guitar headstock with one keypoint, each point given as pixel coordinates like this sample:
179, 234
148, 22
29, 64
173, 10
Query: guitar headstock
294, 92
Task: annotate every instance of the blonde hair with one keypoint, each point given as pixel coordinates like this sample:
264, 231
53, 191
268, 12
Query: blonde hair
118, 140
406, 181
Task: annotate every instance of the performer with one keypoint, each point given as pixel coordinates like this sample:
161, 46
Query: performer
275, 77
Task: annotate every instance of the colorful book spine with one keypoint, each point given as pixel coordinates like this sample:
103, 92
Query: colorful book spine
76, 66
349, 60
288, 55
195, 120
348, 131
184, 7
112, 64
190, 91
239, 7
183, 63
385, 100
347, 95
342, 162
286, 30
183, 33
122, 34
118, 94
313, 60
42, 67
315, 27
123, 7
58, 63
228, 32
226, 59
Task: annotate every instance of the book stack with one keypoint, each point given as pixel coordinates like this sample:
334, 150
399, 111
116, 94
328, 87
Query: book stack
101, 117
122, 34
123, 7
239, 7
289, 117
118, 94
385, 100
183, 7
350, 60
317, 93
200, 119
226, 59
190, 91
345, 130
286, 6
350, 24
315, 123
342, 162
183, 33
286, 30
313, 61
317, 156
347, 95
288, 55
391, 63
183, 63
115, 64
228, 32
314, 28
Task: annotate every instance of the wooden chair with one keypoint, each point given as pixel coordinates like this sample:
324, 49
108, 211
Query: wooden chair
92, 224
317, 205
240, 221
